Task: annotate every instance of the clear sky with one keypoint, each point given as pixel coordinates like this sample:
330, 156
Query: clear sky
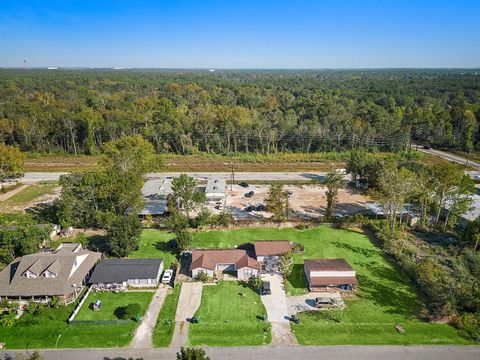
240, 33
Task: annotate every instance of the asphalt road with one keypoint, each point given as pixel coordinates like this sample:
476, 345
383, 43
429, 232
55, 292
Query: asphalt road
31, 177
448, 156
273, 353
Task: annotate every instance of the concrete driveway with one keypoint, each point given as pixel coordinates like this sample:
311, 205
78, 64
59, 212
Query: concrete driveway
277, 311
188, 303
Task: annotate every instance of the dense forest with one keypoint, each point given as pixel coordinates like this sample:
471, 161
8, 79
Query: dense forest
77, 111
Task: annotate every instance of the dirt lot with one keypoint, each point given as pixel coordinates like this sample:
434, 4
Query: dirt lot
306, 201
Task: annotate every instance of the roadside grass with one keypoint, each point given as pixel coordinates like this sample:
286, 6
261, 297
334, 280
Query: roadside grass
229, 317
110, 302
317, 161
50, 329
30, 193
163, 332
385, 296
155, 244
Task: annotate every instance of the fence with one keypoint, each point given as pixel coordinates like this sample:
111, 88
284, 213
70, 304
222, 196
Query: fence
79, 306
98, 322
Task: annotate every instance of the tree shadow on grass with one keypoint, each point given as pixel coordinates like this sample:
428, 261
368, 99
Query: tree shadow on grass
167, 246
356, 249
297, 278
44, 212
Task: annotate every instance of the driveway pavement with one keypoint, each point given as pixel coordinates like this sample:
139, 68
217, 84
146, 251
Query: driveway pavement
306, 302
143, 335
188, 303
277, 311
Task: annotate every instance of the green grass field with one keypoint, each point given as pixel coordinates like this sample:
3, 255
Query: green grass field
228, 318
385, 296
163, 332
155, 244
50, 328
29, 194
110, 302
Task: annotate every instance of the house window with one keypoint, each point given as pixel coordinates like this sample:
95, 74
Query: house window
248, 273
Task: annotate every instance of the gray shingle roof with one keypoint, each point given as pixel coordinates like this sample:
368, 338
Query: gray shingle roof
120, 270
70, 268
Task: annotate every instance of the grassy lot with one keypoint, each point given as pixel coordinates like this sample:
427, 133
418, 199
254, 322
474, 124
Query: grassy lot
155, 244
110, 302
45, 329
229, 319
26, 196
385, 296
163, 332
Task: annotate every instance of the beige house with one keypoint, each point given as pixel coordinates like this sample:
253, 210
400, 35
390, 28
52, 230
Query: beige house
38, 277
270, 250
219, 261
323, 274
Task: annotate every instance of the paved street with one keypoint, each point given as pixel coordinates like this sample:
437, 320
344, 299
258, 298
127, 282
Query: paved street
448, 156
31, 177
273, 353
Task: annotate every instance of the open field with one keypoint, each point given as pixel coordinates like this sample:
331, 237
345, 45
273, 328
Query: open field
321, 161
163, 332
385, 296
50, 329
229, 317
110, 302
28, 196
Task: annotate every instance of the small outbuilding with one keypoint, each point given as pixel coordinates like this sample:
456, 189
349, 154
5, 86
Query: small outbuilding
324, 274
114, 273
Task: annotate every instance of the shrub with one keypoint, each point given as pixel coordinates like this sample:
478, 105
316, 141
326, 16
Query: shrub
203, 218
184, 240
34, 309
192, 354
7, 320
130, 311
469, 325
222, 219
202, 276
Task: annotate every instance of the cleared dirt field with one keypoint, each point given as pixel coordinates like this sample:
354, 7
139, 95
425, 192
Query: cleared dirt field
307, 201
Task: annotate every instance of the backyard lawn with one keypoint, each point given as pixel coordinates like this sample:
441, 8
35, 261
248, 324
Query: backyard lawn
155, 244
163, 332
385, 296
31, 193
50, 328
110, 302
229, 317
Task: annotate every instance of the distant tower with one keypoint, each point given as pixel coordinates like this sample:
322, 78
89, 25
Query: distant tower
25, 64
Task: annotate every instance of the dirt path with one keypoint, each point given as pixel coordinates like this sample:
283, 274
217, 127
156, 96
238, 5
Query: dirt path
143, 335
188, 304
9, 194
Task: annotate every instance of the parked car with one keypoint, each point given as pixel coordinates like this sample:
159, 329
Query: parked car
289, 193
243, 184
260, 207
249, 208
426, 147
249, 194
167, 276
265, 288
323, 302
219, 207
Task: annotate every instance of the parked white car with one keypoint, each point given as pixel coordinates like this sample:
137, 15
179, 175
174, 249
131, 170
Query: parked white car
167, 276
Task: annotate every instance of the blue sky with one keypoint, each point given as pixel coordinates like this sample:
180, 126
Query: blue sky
240, 33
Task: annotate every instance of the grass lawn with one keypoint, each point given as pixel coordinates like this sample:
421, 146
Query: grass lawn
229, 319
110, 302
163, 332
155, 244
32, 192
385, 296
45, 329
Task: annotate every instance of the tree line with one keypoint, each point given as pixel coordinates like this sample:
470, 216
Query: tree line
77, 112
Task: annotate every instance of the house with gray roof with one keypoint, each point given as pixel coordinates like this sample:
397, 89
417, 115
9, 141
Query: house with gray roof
62, 272
115, 273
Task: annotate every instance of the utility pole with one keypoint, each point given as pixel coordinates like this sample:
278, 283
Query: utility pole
232, 176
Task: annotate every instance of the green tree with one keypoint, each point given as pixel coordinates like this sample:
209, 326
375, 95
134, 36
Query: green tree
191, 354
12, 161
185, 195
277, 201
472, 233
184, 240
123, 235
285, 264
333, 182
357, 163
